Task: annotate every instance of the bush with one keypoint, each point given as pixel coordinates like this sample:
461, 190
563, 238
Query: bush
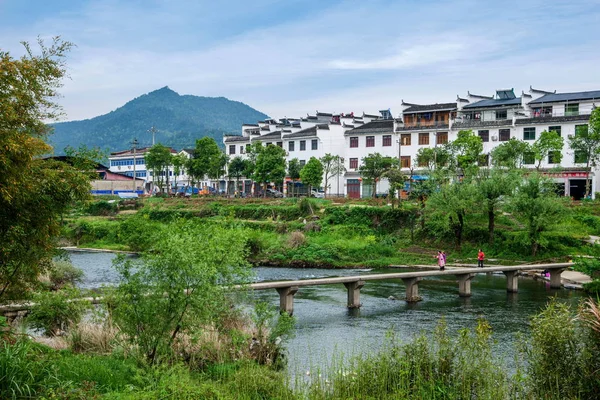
54, 312
296, 239
102, 208
63, 273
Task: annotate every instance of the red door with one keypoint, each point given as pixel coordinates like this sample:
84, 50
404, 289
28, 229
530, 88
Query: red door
353, 186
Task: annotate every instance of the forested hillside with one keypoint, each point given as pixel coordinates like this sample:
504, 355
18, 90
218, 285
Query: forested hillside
179, 121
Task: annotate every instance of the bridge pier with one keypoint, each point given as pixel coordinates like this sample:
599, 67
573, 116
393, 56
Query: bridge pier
464, 284
286, 299
412, 289
512, 283
354, 293
555, 282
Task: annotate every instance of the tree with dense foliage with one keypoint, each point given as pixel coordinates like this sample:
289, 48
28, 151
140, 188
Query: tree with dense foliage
374, 166
270, 166
159, 159
493, 185
538, 206
179, 287
433, 158
236, 169
548, 143
208, 160
449, 207
294, 168
312, 173
396, 179
178, 161
34, 192
467, 150
586, 145
332, 166
510, 154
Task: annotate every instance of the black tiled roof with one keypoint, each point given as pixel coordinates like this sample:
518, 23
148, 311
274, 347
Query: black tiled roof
481, 124
269, 136
250, 124
545, 120
557, 97
381, 126
238, 138
494, 103
418, 108
312, 131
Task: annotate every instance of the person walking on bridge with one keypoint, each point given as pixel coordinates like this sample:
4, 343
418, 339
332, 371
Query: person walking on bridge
480, 258
441, 257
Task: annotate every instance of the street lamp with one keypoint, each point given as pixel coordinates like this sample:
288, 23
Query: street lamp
134, 144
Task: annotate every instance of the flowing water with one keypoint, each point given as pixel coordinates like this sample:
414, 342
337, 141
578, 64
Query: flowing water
324, 326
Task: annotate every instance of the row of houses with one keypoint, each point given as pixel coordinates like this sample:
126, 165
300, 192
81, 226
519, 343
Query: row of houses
496, 119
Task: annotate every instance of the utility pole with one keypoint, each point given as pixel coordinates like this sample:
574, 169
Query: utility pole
153, 131
134, 144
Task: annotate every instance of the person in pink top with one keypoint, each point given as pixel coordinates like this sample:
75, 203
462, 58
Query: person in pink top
441, 257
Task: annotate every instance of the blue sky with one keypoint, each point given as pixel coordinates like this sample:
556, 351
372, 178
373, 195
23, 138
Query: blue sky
292, 57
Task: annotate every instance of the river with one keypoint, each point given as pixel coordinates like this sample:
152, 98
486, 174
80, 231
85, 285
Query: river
325, 326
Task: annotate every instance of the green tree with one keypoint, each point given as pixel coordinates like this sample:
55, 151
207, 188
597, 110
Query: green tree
270, 166
332, 166
237, 168
178, 161
548, 143
159, 159
312, 173
467, 150
252, 152
510, 154
492, 187
178, 288
34, 192
536, 204
208, 161
434, 157
586, 145
396, 179
450, 206
294, 171
374, 166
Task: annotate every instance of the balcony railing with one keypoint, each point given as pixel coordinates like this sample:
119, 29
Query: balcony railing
559, 113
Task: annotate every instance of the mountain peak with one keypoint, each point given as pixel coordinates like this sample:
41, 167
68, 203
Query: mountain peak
163, 91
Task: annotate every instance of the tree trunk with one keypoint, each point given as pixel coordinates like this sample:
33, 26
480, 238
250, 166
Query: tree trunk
491, 221
587, 179
374, 187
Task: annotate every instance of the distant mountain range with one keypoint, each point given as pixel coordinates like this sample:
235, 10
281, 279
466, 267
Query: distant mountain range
178, 120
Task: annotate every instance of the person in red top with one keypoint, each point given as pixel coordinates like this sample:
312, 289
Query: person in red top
480, 258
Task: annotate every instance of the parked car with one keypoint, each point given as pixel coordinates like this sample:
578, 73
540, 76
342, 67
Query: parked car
274, 193
319, 194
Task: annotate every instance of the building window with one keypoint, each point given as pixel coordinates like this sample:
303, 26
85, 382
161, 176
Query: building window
291, 145
232, 149
405, 161
387, 140
405, 139
580, 158
484, 135
542, 112
302, 145
529, 133
314, 144
529, 158
370, 141
554, 157
423, 138
247, 147
280, 144
580, 130
241, 149
501, 114
353, 142
442, 137
302, 163
571, 109
504, 135
556, 129
269, 143
353, 163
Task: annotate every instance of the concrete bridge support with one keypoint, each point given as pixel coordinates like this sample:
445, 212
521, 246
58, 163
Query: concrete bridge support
555, 282
286, 299
354, 293
412, 289
464, 284
512, 283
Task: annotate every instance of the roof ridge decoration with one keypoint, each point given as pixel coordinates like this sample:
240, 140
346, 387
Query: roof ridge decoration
409, 104
480, 96
532, 90
458, 98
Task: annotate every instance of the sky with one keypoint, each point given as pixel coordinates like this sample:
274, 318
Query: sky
290, 58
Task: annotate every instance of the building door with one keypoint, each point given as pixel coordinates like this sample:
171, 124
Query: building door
367, 190
353, 186
577, 188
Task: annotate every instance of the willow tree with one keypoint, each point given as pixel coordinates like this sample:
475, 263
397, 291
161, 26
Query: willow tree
34, 192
